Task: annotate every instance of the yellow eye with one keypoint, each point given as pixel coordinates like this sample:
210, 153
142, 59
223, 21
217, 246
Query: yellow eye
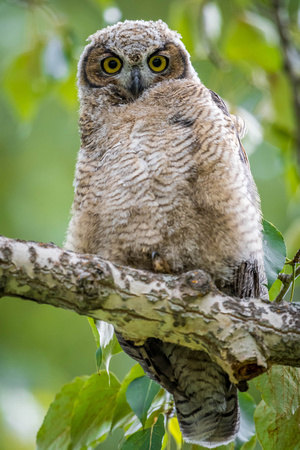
158, 63
111, 64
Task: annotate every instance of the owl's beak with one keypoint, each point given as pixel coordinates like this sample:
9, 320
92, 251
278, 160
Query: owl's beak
136, 85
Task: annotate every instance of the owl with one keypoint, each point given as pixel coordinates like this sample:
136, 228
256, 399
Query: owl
163, 184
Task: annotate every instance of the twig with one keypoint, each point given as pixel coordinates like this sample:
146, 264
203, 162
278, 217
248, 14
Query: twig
289, 279
296, 259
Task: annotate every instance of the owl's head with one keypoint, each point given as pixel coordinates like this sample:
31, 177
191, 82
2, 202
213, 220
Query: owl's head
132, 56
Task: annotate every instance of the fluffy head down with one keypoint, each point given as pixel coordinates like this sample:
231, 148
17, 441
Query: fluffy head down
140, 54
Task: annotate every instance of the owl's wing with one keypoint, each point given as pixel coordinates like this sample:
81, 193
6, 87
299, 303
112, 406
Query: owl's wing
240, 125
206, 401
249, 279
238, 122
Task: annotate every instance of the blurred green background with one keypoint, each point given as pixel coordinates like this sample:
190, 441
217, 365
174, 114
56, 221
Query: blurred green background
235, 47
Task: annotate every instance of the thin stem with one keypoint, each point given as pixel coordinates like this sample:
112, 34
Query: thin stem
286, 280
293, 282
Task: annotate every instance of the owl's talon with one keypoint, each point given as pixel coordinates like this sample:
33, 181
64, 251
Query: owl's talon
159, 264
199, 280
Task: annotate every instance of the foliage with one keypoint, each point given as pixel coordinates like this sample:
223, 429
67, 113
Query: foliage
278, 414
236, 48
274, 252
140, 394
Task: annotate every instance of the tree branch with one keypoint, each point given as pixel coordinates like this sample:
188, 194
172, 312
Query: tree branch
245, 337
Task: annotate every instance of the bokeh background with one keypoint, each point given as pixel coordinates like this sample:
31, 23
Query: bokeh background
247, 51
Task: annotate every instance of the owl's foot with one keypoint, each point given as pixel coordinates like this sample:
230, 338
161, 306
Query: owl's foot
200, 280
159, 264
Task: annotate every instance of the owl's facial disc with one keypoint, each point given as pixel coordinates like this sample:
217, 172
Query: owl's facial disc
132, 73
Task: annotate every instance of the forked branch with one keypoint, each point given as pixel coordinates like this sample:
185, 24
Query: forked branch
289, 279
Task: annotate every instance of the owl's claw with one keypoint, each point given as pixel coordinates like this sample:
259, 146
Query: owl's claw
199, 280
159, 264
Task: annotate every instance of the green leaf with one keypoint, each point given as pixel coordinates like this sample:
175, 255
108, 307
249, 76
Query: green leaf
93, 410
166, 442
275, 289
260, 52
54, 433
24, 83
183, 20
281, 97
162, 404
81, 413
279, 389
140, 394
173, 427
274, 252
92, 323
66, 92
123, 412
277, 417
247, 425
148, 439
276, 431
250, 445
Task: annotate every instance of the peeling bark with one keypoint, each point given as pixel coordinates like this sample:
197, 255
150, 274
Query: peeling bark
245, 337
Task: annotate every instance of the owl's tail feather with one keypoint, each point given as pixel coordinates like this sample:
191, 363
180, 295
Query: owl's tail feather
206, 402
204, 425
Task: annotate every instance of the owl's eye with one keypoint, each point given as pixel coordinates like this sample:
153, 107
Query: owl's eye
111, 65
158, 63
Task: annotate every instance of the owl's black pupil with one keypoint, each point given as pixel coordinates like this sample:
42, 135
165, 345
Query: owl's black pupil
156, 62
112, 64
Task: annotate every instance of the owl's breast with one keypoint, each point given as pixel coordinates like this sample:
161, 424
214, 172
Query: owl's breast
136, 195
140, 184
165, 177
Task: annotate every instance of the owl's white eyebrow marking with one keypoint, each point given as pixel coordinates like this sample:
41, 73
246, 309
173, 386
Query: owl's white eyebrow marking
160, 49
108, 51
